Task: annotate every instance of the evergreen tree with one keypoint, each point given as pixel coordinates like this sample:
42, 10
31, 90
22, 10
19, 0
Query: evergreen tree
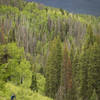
76, 75
86, 88
34, 83
34, 80
65, 90
95, 66
84, 85
2, 38
53, 68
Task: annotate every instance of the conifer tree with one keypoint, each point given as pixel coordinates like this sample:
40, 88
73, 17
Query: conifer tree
76, 75
2, 39
34, 80
95, 66
65, 90
34, 83
53, 68
84, 85
85, 60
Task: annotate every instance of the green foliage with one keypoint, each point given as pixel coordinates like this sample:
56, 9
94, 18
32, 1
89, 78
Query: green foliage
66, 77
84, 64
13, 63
95, 66
35, 28
34, 83
86, 68
94, 96
21, 93
40, 83
53, 68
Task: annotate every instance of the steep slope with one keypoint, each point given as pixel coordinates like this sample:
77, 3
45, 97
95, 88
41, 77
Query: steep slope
62, 47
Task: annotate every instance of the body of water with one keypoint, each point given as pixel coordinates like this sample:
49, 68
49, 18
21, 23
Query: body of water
75, 6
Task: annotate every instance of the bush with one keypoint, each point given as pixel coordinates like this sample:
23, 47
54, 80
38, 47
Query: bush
21, 93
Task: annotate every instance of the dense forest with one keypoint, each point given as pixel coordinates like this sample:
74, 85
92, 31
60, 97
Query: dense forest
48, 53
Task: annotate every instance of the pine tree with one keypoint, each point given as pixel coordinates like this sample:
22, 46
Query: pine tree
34, 83
76, 75
64, 72
34, 80
53, 68
95, 66
84, 65
65, 90
2, 38
86, 88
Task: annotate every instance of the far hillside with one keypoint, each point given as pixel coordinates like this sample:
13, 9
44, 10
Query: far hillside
48, 53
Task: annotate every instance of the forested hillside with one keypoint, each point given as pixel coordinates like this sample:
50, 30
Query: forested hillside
48, 53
